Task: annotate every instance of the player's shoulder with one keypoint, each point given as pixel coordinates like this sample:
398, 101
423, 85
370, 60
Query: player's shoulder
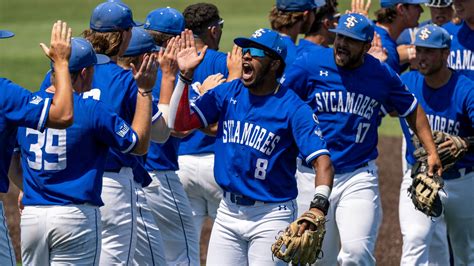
411, 76
112, 71
211, 53
464, 85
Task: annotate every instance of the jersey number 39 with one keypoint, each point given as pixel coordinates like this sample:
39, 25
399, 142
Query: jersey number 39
51, 142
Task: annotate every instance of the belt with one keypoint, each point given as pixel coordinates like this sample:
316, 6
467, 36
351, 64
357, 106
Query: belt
454, 174
350, 169
240, 199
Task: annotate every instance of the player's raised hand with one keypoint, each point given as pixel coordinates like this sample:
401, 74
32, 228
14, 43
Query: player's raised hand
60, 47
145, 77
359, 7
188, 57
168, 57
376, 50
234, 63
211, 82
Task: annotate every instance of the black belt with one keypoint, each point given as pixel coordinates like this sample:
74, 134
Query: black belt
453, 174
240, 199
346, 170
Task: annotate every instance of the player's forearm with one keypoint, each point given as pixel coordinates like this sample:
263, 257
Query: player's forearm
142, 123
160, 131
324, 171
15, 173
61, 112
421, 128
180, 117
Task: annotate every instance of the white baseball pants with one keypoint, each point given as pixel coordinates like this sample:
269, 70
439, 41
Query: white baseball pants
149, 249
59, 235
171, 209
425, 239
119, 223
196, 173
7, 254
243, 235
306, 187
354, 218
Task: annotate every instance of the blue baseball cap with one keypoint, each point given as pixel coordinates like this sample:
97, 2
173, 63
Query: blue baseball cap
141, 43
355, 26
167, 20
297, 5
390, 3
83, 55
6, 34
432, 36
267, 40
112, 16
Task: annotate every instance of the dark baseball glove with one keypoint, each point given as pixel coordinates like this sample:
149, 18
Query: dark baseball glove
304, 249
450, 148
424, 190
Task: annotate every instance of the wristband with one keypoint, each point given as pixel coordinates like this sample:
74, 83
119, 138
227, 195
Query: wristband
323, 190
185, 79
470, 143
321, 203
145, 93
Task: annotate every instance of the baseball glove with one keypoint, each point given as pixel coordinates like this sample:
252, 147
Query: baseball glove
450, 149
304, 249
424, 190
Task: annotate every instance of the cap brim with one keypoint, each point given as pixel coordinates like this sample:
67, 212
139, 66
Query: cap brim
430, 46
6, 34
248, 43
411, 2
137, 23
102, 59
348, 34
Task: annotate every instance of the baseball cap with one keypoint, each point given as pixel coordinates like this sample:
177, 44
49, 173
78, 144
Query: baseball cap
83, 55
432, 36
439, 3
6, 34
390, 3
112, 16
140, 43
166, 20
355, 26
297, 5
267, 40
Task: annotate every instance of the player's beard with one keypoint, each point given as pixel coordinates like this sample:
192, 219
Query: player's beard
346, 58
260, 77
430, 68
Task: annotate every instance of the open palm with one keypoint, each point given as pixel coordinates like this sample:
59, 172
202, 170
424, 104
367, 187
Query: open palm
188, 57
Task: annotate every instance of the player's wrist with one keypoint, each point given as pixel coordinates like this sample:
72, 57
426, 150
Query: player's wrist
186, 77
470, 143
145, 92
321, 198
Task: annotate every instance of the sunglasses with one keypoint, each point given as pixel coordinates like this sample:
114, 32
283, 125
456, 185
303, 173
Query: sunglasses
254, 52
220, 23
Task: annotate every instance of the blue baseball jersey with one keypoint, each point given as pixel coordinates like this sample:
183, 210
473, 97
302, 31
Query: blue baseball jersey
65, 166
461, 57
197, 142
449, 109
305, 46
18, 108
117, 88
290, 49
256, 147
347, 103
393, 59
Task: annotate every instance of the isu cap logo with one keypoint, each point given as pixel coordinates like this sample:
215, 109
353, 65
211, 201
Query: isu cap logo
424, 34
258, 33
351, 21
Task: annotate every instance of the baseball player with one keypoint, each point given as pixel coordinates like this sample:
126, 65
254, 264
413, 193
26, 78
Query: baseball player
394, 17
346, 88
290, 18
448, 99
255, 148
165, 195
149, 249
61, 219
461, 57
20, 108
196, 151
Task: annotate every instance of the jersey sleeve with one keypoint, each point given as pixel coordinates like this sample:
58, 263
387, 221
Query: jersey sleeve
399, 97
209, 106
469, 105
296, 77
113, 130
22, 108
307, 133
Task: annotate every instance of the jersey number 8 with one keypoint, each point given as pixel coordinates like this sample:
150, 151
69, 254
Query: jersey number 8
47, 145
261, 169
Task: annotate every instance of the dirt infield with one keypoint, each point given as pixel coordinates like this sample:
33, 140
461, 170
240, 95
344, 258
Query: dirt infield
389, 242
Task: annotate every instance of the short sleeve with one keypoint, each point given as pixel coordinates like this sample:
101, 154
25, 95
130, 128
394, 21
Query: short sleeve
209, 106
469, 105
296, 77
399, 97
22, 108
307, 133
113, 130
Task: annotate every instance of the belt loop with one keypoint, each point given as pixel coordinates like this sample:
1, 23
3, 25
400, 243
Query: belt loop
462, 172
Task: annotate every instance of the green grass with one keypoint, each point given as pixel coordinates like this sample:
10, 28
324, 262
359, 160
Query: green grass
22, 60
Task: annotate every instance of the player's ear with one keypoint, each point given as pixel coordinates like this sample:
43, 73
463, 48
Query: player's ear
367, 46
275, 65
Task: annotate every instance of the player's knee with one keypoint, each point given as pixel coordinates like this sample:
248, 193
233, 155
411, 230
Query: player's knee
356, 253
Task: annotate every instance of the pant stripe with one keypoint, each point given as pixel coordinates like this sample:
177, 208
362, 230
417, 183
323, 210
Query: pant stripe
96, 236
146, 232
180, 219
7, 237
294, 212
132, 192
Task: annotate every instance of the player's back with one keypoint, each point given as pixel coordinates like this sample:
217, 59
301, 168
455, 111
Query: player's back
461, 57
65, 166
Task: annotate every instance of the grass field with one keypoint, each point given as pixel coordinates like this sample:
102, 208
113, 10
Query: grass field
22, 60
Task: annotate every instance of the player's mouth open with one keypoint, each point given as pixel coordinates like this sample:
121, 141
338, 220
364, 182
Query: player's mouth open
247, 71
342, 51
